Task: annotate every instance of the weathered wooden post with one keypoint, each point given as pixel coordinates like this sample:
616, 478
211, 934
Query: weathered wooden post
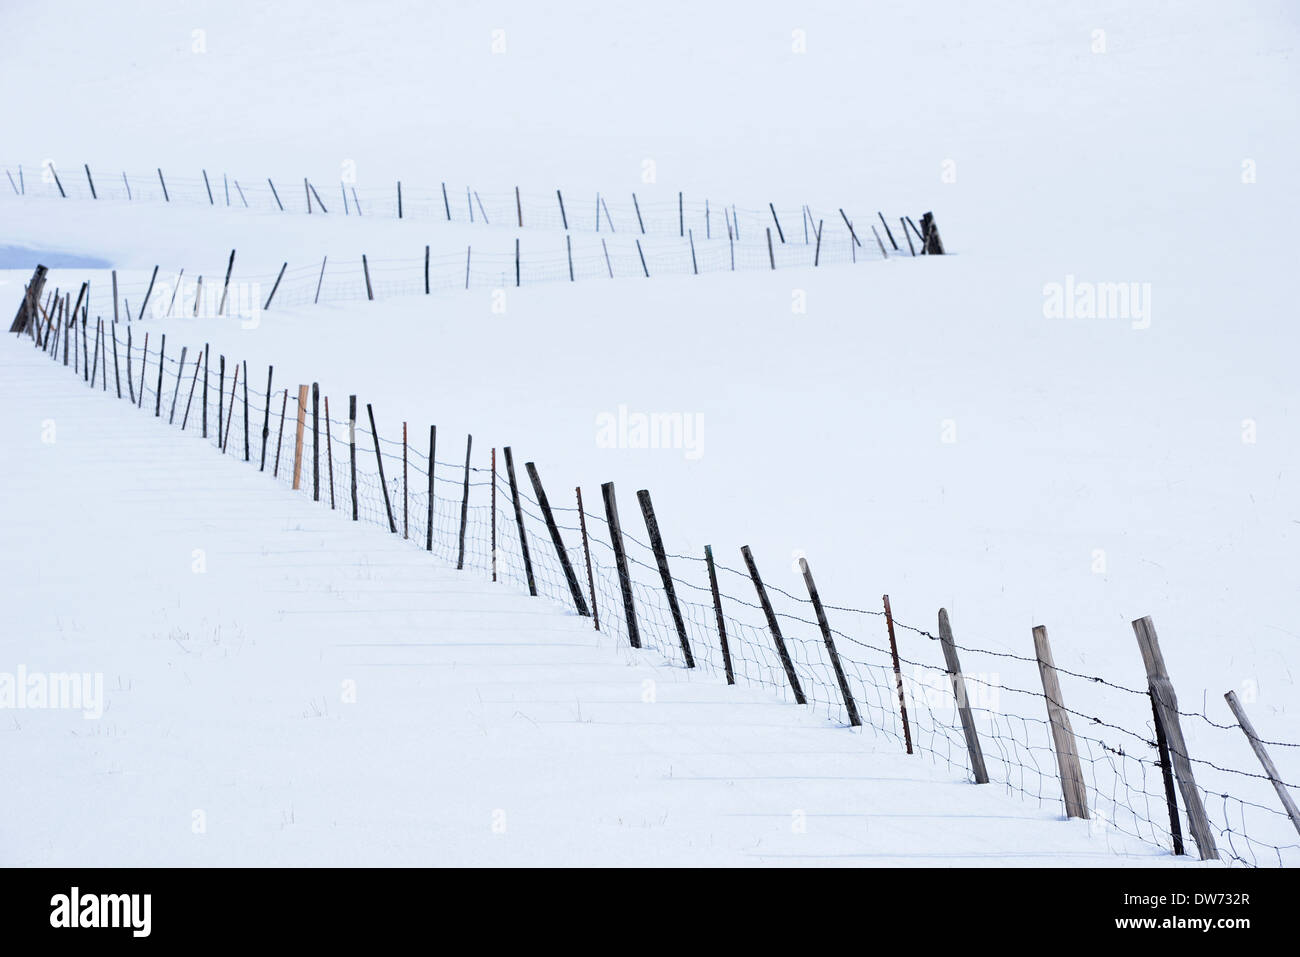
1167, 774
586, 551
352, 449
171, 418
379, 460
717, 612
297, 442
849, 705
1270, 769
1162, 691
27, 309
665, 574
930, 234
963, 700
898, 675
561, 552
464, 505
315, 441
519, 521
266, 418
1073, 788
773, 626
620, 562
433, 447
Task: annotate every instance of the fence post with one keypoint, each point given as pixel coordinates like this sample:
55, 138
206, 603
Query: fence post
519, 520
778, 224
221, 394
247, 456
166, 198
1162, 691
637, 207
148, 292
1167, 773
266, 419
117, 373
586, 551
225, 287
352, 449
329, 442
717, 611
406, 499
773, 626
519, 206
321, 279
194, 380
171, 418
574, 588
493, 511
315, 441
849, 705
297, 442
279, 439
464, 505
1270, 769
898, 675
162, 352
963, 701
365, 267
230, 415
379, 460
620, 562
892, 241
563, 218
771, 256
665, 575
426, 269
428, 532
1073, 788
205, 377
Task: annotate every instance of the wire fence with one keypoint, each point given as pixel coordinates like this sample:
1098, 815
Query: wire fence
435, 490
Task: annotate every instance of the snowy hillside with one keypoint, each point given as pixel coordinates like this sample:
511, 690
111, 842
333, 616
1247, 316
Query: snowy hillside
988, 431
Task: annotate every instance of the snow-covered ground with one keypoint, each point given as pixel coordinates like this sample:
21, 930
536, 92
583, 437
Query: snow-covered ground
928, 428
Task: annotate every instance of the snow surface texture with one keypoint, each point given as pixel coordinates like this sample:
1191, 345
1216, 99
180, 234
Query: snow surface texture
924, 428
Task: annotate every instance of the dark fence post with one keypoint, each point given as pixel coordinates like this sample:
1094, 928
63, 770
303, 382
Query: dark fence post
329, 440
665, 574
428, 532
845, 693
620, 561
464, 505
176, 392
772, 624
266, 418
379, 459
406, 499
315, 441
586, 551
574, 588
1270, 769
117, 373
963, 701
279, 439
519, 521
221, 395
717, 611
230, 414
352, 449
898, 675
194, 380
162, 351
1167, 772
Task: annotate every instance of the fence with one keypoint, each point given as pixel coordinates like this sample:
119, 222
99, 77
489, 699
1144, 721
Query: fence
626, 215
944, 700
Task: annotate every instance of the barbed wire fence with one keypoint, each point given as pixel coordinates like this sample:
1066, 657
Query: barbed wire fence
855, 666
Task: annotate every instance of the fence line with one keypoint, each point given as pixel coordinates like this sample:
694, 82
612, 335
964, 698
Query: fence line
1123, 776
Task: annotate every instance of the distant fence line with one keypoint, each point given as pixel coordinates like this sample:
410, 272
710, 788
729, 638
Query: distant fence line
949, 703
622, 214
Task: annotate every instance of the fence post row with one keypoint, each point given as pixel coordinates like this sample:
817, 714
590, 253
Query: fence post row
1073, 788
665, 575
569, 576
773, 626
963, 700
1162, 692
620, 562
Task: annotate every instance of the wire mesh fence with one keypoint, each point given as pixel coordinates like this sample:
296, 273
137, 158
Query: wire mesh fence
436, 491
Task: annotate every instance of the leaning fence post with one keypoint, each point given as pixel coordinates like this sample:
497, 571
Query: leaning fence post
849, 705
176, 391
665, 575
898, 675
194, 380
1270, 769
379, 460
352, 449
586, 552
519, 521
464, 505
1073, 788
773, 626
297, 442
620, 562
1167, 773
230, 415
569, 576
717, 611
117, 374
1162, 690
963, 700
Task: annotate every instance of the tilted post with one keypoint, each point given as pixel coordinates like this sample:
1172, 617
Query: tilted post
620, 562
665, 574
777, 638
1073, 788
1270, 768
569, 575
849, 705
963, 701
519, 521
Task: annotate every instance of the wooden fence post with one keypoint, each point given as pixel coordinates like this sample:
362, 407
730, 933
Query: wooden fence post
329, 441
586, 551
892, 241
849, 705
771, 256
247, 456
194, 380
569, 576
620, 562
665, 574
1167, 773
717, 611
352, 449
171, 418
315, 441
297, 442
433, 445
773, 625
1256, 745
406, 499
464, 505
365, 267
117, 373
162, 352
898, 675
963, 700
320, 281
1073, 788
493, 512
279, 438
230, 415
225, 287
266, 419
519, 521
221, 392
1162, 691
378, 459
148, 292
